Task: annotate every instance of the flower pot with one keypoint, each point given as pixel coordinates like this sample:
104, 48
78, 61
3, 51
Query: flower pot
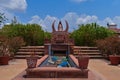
119, 59
83, 62
31, 62
114, 59
4, 60
0, 61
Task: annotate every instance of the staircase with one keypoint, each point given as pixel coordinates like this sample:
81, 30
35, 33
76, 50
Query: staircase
27, 51
92, 52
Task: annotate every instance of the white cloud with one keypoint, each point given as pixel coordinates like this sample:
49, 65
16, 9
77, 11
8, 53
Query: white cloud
48, 22
116, 19
36, 19
87, 19
6, 13
45, 23
71, 17
15, 5
8, 7
73, 20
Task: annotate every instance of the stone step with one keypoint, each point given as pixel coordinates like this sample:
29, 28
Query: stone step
92, 53
84, 47
28, 50
93, 56
33, 47
29, 53
86, 51
24, 56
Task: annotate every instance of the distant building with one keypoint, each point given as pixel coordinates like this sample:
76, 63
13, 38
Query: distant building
113, 27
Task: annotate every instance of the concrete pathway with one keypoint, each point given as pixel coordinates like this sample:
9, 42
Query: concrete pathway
100, 68
16, 66
104, 69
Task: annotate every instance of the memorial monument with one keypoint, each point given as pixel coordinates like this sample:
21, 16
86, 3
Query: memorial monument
60, 43
58, 61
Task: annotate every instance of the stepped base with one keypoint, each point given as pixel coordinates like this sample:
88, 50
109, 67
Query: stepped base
27, 51
92, 52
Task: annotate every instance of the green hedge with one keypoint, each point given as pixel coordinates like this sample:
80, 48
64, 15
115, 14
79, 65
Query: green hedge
86, 34
31, 33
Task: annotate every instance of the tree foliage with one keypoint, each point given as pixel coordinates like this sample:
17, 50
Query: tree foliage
31, 33
47, 35
2, 18
109, 45
86, 34
10, 45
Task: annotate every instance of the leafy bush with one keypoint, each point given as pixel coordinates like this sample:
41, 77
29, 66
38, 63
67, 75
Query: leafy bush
47, 35
109, 45
86, 35
31, 33
15, 43
10, 45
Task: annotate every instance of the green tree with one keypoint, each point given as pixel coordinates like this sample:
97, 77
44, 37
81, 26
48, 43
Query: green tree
2, 18
31, 33
47, 35
86, 34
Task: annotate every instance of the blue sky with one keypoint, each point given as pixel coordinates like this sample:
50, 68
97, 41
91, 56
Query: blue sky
44, 12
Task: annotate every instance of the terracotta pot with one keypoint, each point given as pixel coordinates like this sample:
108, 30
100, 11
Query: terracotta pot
114, 59
0, 61
4, 60
83, 62
119, 59
31, 62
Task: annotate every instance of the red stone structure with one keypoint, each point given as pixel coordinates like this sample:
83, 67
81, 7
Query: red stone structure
54, 72
60, 43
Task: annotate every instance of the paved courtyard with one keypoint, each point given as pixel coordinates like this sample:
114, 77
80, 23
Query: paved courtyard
101, 69
104, 69
16, 66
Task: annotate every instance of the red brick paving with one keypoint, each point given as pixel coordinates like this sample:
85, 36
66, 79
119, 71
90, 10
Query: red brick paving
100, 69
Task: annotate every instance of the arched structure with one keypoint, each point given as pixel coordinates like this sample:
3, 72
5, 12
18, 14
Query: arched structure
60, 44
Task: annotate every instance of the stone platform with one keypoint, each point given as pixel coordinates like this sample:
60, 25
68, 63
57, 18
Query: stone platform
99, 69
56, 72
91, 76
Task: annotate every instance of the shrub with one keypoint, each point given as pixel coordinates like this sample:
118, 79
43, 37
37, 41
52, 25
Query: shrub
31, 33
10, 45
86, 35
109, 45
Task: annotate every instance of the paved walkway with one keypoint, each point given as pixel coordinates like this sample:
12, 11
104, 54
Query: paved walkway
104, 69
100, 68
16, 66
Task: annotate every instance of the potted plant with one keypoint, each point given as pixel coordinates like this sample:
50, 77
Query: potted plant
8, 47
4, 54
32, 60
83, 61
111, 47
103, 47
114, 48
